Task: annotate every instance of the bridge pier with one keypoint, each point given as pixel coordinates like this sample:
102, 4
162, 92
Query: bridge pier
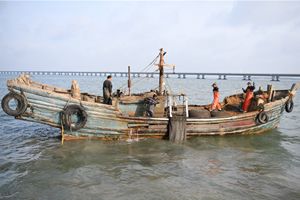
179, 75
152, 75
167, 75
220, 77
246, 78
275, 78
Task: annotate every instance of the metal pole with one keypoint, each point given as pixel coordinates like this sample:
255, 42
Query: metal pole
186, 106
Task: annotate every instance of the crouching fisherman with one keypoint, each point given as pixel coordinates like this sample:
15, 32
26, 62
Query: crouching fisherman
249, 96
107, 90
215, 104
150, 104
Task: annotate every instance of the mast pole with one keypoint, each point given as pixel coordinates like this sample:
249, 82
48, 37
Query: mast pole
129, 81
161, 70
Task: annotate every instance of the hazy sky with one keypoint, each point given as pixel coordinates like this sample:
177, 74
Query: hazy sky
231, 36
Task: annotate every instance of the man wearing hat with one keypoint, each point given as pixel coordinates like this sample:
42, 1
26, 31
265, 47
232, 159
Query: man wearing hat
249, 95
215, 104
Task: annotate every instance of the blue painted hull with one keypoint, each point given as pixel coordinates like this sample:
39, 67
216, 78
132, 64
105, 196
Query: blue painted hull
109, 122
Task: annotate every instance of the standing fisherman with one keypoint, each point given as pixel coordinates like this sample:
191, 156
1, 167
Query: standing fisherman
249, 95
215, 104
107, 90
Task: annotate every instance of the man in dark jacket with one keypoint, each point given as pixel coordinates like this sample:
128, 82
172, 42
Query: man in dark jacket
150, 104
107, 90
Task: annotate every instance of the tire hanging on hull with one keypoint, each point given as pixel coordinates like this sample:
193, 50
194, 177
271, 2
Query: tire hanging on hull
70, 111
289, 106
20, 100
262, 117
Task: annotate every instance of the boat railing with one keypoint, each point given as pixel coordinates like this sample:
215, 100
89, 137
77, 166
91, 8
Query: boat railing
177, 105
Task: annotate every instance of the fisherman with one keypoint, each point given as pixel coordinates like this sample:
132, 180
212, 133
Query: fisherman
215, 104
249, 95
150, 104
107, 90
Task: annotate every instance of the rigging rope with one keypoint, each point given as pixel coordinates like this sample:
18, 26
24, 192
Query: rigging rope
145, 69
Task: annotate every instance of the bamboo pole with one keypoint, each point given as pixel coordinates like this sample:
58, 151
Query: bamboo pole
129, 82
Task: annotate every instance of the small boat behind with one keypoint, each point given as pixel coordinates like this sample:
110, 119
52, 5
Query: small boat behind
83, 115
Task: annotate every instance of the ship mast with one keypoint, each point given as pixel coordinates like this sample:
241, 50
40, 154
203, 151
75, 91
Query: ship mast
161, 66
161, 70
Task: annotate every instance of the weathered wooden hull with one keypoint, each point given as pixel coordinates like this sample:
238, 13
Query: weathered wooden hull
107, 122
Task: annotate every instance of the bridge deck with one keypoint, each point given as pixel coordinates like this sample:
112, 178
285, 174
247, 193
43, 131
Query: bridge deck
198, 75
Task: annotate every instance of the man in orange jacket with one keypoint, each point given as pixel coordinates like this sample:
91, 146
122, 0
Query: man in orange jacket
215, 104
249, 95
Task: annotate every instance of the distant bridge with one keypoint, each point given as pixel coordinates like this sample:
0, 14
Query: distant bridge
198, 75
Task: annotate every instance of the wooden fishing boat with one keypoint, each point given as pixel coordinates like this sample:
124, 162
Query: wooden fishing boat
82, 115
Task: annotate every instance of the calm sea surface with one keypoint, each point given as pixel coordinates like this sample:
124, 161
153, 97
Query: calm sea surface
34, 164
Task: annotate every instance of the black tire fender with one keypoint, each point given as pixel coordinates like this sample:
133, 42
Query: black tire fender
67, 114
289, 105
220, 114
21, 104
262, 117
199, 114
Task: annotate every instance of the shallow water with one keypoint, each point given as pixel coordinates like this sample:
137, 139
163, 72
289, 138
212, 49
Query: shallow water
34, 164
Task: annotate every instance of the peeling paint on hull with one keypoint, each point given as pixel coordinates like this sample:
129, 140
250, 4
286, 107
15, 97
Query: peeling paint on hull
108, 123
